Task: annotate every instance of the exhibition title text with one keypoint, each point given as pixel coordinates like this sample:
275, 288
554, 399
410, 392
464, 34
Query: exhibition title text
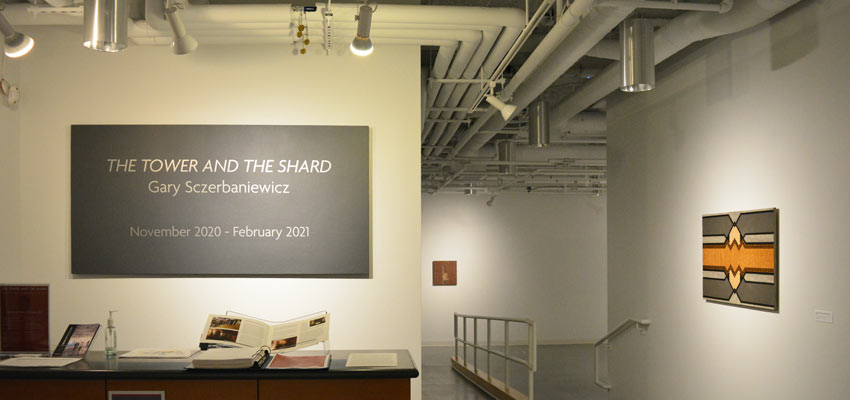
219, 186
157, 165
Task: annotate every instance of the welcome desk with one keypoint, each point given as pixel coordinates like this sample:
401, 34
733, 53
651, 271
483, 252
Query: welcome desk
94, 376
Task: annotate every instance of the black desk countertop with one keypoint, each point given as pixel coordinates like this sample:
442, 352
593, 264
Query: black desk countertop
96, 366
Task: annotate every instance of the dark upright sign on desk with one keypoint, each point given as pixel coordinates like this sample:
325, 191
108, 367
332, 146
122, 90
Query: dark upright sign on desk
220, 200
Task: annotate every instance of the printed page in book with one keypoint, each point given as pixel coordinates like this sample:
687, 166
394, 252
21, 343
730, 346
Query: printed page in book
299, 334
235, 331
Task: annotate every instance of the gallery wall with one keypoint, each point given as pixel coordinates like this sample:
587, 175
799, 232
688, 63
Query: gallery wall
67, 84
755, 120
529, 256
9, 167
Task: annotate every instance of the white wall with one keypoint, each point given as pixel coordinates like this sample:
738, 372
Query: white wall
539, 257
756, 120
9, 171
68, 84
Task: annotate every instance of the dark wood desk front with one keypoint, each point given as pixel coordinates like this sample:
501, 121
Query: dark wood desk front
93, 377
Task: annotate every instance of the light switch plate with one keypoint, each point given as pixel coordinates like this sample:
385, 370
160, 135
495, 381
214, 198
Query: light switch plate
823, 316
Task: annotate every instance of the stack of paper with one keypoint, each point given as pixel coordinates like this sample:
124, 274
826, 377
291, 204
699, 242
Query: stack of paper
50, 362
160, 353
371, 360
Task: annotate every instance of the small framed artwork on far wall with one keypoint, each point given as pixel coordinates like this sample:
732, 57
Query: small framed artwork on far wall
445, 273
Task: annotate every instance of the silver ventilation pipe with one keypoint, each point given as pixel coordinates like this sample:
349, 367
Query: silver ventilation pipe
538, 124
683, 30
637, 55
506, 153
105, 24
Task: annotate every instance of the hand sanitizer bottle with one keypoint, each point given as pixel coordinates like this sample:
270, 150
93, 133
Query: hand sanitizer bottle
111, 337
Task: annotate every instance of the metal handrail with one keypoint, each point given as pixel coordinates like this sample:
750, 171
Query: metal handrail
642, 325
530, 364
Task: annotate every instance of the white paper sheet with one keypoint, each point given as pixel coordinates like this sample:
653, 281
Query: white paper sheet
371, 360
160, 353
51, 362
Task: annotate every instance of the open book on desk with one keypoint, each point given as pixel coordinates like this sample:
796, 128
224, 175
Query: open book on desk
232, 358
279, 337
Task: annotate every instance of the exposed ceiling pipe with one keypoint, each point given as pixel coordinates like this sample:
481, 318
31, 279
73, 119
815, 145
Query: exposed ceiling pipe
595, 25
565, 25
438, 94
227, 40
568, 22
553, 151
407, 14
503, 45
450, 94
18, 15
670, 39
556, 35
460, 65
475, 92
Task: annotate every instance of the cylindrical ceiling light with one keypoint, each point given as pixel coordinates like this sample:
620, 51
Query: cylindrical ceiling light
362, 45
506, 153
106, 24
183, 43
538, 124
637, 55
15, 44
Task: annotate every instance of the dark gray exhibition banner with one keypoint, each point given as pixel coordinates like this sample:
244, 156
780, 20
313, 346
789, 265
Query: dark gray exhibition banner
220, 200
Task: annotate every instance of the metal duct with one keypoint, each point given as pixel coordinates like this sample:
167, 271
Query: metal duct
506, 153
538, 124
637, 55
679, 33
106, 24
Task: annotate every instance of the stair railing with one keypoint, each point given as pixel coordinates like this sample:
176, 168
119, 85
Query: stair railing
641, 325
530, 364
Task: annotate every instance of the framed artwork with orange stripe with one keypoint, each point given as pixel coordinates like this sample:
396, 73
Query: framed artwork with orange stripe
740, 258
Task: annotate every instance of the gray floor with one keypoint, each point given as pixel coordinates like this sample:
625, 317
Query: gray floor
563, 372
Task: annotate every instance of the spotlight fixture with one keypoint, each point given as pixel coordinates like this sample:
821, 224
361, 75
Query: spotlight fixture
105, 24
538, 124
637, 55
362, 45
183, 43
506, 109
16, 44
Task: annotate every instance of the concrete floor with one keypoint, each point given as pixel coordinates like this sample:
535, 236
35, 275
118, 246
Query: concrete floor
563, 372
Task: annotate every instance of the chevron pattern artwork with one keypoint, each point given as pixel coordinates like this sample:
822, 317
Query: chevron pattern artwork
740, 257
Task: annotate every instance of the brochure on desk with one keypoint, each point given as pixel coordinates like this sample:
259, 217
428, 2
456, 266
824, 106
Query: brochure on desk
241, 331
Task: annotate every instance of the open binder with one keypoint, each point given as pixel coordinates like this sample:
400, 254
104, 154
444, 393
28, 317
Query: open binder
232, 358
